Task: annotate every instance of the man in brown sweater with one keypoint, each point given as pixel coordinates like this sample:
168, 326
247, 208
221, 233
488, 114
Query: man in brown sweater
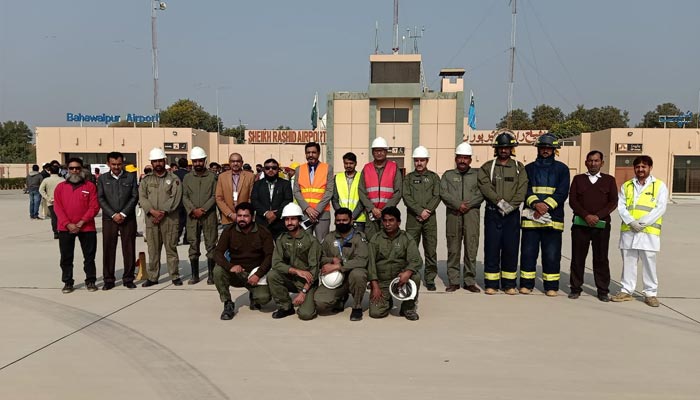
592, 196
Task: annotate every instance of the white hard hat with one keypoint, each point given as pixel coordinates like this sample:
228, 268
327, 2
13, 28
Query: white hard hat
332, 280
156, 154
421, 152
197, 153
292, 210
379, 143
409, 291
262, 281
464, 149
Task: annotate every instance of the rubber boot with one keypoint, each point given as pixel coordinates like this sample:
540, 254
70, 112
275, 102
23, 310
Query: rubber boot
210, 269
195, 272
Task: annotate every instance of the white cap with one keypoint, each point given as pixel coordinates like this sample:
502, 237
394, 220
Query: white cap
464, 149
379, 143
292, 210
197, 153
156, 154
421, 152
332, 280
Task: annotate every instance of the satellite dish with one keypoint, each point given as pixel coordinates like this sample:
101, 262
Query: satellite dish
162, 5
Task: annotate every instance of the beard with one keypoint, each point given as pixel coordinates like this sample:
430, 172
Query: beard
343, 228
159, 169
76, 179
271, 178
199, 169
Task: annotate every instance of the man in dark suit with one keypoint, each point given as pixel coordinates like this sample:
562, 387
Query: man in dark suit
269, 197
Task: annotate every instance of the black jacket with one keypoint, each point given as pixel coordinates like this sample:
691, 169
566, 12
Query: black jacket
117, 195
260, 198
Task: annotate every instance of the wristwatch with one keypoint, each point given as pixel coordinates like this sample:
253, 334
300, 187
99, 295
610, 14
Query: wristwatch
304, 290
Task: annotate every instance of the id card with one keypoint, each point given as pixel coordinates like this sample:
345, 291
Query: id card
235, 196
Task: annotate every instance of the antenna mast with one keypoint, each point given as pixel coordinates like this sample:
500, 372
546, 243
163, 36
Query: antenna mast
395, 46
512, 62
376, 37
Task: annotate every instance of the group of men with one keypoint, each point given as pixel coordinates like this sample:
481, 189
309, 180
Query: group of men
268, 246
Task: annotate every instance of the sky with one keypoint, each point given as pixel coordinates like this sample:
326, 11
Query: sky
266, 59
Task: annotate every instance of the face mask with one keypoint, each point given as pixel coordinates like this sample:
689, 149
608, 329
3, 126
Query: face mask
343, 228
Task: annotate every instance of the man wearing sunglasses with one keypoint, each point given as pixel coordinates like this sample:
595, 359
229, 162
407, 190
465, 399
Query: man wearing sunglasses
269, 197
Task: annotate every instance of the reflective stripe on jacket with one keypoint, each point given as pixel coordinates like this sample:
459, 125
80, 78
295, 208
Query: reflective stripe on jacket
646, 202
379, 192
349, 197
313, 191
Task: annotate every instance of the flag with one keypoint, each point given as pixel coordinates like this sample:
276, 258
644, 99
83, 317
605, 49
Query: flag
314, 113
472, 112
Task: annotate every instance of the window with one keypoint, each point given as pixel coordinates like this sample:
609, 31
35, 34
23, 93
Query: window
393, 115
395, 72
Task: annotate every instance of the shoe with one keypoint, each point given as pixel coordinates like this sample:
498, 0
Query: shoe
108, 286
356, 314
253, 306
524, 290
229, 310
490, 291
67, 288
622, 296
651, 301
139, 234
574, 295
193, 281
55, 235
283, 313
451, 288
551, 293
410, 315
510, 291
91, 287
431, 287
177, 282
471, 288
604, 298
130, 285
148, 283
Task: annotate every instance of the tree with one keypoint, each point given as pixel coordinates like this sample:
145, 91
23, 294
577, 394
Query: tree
568, 128
544, 117
186, 113
237, 132
283, 128
519, 120
651, 118
15, 143
601, 118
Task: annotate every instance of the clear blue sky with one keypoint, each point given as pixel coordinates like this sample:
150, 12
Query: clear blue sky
271, 56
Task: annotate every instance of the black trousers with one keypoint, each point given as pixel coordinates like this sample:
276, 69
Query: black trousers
88, 244
54, 220
599, 239
111, 231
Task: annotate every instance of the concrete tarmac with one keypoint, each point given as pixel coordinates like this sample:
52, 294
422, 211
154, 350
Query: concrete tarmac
167, 342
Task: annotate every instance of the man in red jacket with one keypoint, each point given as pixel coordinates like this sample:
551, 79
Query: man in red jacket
75, 205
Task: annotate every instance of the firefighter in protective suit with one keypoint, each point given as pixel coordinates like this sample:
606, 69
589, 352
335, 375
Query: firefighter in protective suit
542, 219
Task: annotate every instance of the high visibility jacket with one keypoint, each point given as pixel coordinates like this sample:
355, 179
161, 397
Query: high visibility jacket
349, 197
548, 182
379, 193
313, 191
646, 202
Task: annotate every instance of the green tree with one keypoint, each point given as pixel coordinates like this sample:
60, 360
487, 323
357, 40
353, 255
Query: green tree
599, 118
568, 128
544, 117
15, 143
519, 120
651, 118
282, 128
237, 132
186, 113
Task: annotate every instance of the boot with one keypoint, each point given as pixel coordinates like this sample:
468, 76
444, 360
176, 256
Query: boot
195, 272
210, 269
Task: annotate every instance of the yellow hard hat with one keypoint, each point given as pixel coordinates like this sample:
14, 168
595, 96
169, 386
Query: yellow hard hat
294, 165
130, 168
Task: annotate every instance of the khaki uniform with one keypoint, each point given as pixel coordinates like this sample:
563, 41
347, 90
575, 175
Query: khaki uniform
461, 229
420, 192
387, 258
304, 253
354, 261
164, 194
199, 192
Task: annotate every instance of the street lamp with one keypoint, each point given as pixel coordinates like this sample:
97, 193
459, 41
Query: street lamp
155, 6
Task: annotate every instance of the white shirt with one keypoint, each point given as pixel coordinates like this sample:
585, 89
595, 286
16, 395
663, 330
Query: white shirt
593, 178
630, 240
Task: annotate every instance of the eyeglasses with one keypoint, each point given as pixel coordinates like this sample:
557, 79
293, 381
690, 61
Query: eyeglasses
75, 168
267, 167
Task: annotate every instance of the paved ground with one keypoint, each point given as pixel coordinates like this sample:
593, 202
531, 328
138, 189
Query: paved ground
166, 342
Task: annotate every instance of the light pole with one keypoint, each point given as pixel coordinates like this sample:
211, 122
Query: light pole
155, 6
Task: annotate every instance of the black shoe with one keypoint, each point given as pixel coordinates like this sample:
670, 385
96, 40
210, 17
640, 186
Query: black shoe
253, 306
471, 288
108, 286
356, 314
431, 287
148, 283
283, 313
229, 311
130, 285
139, 234
55, 235
210, 280
574, 295
90, 286
193, 281
410, 315
67, 288
604, 298
177, 282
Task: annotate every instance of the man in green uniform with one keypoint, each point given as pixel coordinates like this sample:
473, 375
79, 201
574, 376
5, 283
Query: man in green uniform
250, 247
421, 194
346, 251
392, 254
294, 267
459, 189
159, 196
199, 200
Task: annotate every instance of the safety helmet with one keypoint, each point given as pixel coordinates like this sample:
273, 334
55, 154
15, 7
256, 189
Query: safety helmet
332, 280
294, 165
197, 153
548, 140
292, 210
464, 149
262, 281
421, 152
380, 143
408, 291
505, 139
130, 168
156, 154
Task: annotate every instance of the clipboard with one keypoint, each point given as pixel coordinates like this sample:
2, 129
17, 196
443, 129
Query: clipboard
582, 222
